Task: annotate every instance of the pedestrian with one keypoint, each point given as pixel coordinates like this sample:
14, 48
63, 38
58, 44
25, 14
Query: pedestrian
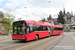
0, 33
67, 31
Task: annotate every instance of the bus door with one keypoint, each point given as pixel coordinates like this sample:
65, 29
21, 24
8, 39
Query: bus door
30, 32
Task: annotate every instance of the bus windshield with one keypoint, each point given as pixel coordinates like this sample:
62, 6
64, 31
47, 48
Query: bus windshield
19, 27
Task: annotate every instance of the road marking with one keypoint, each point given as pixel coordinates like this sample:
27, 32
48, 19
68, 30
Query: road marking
73, 37
31, 44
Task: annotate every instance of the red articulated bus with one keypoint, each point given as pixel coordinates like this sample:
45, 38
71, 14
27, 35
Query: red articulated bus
33, 30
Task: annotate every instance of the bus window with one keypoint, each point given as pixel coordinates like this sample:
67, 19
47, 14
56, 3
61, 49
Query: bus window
60, 28
36, 28
15, 30
29, 28
49, 28
19, 28
45, 28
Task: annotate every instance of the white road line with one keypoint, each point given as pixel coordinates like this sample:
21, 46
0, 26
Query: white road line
73, 37
32, 44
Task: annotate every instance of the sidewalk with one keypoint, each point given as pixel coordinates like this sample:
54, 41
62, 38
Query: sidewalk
5, 37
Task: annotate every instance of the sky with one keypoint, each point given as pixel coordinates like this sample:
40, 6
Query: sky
36, 9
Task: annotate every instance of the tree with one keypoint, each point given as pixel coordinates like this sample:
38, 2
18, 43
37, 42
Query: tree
44, 20
61, 18
40, 20
8, 19
55, 23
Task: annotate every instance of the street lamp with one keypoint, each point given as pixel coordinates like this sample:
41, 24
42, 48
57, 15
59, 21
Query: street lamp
24, 7
49, 1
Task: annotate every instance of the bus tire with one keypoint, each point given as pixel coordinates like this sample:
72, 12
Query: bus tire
49, 34
59, 33
36, 37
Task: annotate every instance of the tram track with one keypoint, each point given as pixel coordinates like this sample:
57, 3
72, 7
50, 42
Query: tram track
58, 40
40, 44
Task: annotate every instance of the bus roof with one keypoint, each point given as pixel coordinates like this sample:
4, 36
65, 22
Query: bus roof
57, 26
40, 23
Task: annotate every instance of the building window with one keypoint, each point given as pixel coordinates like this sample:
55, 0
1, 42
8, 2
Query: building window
68, 21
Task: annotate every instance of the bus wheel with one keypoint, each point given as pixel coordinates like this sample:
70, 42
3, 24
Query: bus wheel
36, 37
49, 34
59, 33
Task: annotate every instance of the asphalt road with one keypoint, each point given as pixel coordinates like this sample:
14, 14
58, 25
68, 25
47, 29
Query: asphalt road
60, 42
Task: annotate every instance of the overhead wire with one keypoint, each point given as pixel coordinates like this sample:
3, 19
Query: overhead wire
41, 9
37, 7
55, 7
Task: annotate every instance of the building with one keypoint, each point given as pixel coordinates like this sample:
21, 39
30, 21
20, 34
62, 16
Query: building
52, 20
69, 17
70, 21
2, 28
49, 19
55, 21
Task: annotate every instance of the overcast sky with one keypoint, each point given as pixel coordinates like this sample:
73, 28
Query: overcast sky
36, 9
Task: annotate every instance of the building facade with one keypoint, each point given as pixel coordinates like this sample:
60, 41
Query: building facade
52, 20
70, 21
49, 19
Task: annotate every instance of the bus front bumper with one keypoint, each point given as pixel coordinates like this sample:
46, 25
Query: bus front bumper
19, 39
